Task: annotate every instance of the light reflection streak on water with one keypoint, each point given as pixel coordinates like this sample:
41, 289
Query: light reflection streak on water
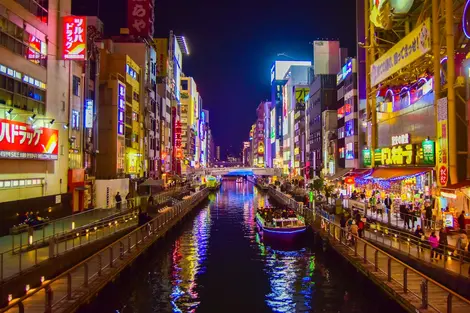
290, 280
184, 297
289, 272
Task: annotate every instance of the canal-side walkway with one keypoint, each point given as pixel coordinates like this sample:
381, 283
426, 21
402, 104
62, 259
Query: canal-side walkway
413, 290
66, 234
79, 284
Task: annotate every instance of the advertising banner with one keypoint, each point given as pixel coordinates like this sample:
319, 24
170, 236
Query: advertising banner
409, 49
161, 45
140, 17
442, 143
74, 37
21, 141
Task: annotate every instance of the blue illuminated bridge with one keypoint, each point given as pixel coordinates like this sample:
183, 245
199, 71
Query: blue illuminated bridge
238, 171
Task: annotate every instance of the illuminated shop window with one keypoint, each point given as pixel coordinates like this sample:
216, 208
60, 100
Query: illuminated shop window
16, 183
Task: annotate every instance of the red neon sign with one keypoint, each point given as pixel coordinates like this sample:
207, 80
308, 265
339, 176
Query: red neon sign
74, 37
34, 48
178, 142
21, 141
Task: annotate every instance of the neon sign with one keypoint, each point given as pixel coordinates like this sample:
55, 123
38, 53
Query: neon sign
401, 139
121, 108
74, 38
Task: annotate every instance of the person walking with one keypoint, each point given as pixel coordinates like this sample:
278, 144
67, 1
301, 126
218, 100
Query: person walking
388, 203
461, 221
420, 237
428, 214
442, 242
118, 200
434, 243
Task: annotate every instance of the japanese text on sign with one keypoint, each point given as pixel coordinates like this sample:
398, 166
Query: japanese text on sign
74, 37
121, 108
406, 51
140, 17
21, 141
401, 139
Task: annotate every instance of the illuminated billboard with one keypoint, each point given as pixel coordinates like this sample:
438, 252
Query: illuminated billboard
178, 64
121, 108
74, 37
21, 141
280, 68
273, 125
141, 17
161, 46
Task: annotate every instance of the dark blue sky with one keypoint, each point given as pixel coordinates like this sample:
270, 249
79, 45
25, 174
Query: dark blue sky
233, 44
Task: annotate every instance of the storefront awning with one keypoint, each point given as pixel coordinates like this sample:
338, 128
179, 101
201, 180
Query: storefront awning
339, 173
396, 173
358, 172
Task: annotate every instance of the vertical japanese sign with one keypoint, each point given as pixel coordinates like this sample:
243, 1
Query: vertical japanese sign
121, 108
74, 37
21, 141
178, 129
162, 56
89, 114
442, 143
140, 17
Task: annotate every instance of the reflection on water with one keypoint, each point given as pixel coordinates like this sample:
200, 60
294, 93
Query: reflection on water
218, 263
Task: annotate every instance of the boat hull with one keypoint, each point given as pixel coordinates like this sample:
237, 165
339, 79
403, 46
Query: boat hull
280, 235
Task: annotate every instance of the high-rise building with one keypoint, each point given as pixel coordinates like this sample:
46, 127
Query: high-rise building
217, 153
35, 99
278, 73
122, 150
189, 118
322, 97
144, 55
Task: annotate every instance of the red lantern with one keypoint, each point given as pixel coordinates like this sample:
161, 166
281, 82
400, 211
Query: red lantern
349, 180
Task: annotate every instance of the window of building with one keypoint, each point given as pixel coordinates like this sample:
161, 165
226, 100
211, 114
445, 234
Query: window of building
36, 7
350, 151
184, 85
21, 183
341, 153
349, 128
19, 41
340, 132
76, 85
135, 96
135, 117
20, 91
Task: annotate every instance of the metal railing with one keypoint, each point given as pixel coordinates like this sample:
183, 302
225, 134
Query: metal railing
102, 266
12, 264
454, 260
393, 217
57, 227
422, 291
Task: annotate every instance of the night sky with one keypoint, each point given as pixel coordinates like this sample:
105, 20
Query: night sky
233, 45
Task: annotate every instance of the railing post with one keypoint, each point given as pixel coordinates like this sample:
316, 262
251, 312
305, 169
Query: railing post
355, 245
365, 252
69, 286
376, 260
449, 303
129, 243
99, 264
21, 307
111, 257
424, 294
48, 301
121, 250
85, 272
389, 269
405, 280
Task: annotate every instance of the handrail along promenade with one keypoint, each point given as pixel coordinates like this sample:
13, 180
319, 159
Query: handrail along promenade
412, 289
77, 285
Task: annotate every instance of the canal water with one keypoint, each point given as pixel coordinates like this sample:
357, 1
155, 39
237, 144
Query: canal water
215, 262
